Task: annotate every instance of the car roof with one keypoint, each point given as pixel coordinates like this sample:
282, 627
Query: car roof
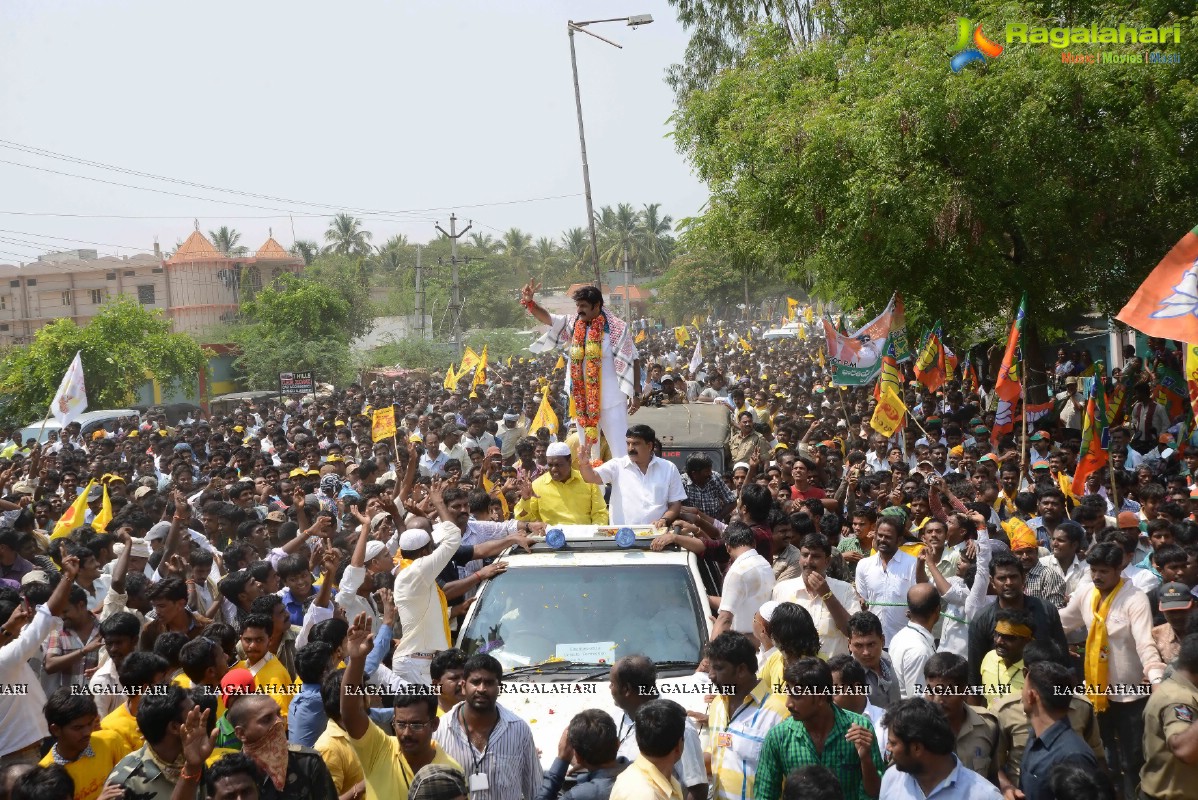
593, 557
688, 424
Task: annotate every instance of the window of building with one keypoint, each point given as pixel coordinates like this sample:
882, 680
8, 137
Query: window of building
145, 294
3, 302
14, 284
251, 283
31, 282
110, 276
130, 273
3, 327
98, 296
157, 270
66, 298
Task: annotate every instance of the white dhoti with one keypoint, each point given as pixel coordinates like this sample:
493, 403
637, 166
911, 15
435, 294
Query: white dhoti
613, 424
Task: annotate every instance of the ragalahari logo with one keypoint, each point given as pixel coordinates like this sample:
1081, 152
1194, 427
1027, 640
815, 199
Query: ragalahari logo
972, 45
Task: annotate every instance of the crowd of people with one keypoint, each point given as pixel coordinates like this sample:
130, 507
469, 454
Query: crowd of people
261, 604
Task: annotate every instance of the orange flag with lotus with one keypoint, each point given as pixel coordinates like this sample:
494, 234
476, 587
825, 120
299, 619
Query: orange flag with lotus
1166, 304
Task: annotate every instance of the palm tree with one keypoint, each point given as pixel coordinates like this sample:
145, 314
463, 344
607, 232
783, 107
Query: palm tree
654, 233
225, 240
546, 255
392, 254
484, 243
517, 246
346, 236
618, 235
306, 249
577, 246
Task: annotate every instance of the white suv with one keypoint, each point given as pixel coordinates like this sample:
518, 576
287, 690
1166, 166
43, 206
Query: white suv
557, 620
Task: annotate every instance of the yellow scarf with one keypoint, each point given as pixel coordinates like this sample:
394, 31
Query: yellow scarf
404, 563
1097, 646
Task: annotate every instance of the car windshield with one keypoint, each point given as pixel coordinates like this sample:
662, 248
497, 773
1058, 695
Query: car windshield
587, 615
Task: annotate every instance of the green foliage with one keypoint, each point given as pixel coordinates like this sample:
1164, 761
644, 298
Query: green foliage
705, 282
862, 163
338, 275
414, 353
121, 346
261, 360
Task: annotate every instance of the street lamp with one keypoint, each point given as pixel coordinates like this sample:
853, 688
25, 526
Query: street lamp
634, 21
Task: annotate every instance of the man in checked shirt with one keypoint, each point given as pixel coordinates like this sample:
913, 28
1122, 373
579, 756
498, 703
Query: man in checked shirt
706, 492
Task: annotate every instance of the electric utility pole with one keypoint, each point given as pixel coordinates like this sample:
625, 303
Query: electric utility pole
420, 292
455, 304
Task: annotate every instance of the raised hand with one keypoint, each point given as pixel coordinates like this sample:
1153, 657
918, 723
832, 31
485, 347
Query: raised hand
359, 641
528, 292
197, 742
70, 567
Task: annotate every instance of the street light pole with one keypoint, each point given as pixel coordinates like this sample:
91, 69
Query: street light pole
586, 169
634, 21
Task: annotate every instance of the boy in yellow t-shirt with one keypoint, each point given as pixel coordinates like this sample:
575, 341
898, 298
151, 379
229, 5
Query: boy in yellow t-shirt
269, 674
87, 755
139, 671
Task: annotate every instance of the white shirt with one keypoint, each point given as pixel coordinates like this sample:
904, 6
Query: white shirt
884, 589
748, 584
910, 649
690, 770
1078, 571
416, 596
831, 641
105, 687
353, 603
640, 498
21, 720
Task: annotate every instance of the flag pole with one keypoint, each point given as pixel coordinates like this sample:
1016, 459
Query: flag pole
1023, 419
49, 410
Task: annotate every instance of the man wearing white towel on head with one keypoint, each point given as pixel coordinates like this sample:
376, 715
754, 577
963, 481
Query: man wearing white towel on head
604, 368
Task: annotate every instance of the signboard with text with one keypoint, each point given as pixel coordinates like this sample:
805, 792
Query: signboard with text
296, 383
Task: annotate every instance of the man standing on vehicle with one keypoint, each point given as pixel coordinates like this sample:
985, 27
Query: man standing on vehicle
646, 490
604, 368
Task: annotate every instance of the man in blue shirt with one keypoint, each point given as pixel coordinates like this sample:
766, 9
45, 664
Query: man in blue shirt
306, 718
922, 748
1047, 692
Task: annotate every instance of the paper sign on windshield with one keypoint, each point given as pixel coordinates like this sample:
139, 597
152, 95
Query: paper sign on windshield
588, 652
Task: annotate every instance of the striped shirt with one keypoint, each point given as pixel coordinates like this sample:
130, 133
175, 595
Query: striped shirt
736, 742
509, 759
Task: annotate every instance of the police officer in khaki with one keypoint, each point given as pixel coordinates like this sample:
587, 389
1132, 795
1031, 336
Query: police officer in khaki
946, 677
1170, 769
1014, 728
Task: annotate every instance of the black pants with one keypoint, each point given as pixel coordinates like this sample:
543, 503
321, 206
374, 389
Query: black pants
1122, 729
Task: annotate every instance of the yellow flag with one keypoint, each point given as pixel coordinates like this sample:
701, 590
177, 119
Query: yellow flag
808, 315
744, 345
561, 363
101, 520
509, 362
802, 333
640, 337
451, 380
695, 321
382, 424
545, 418
792, 308
888, 416
469, 360
73, 517
681, 336
1191, 368
820, 359
480, 373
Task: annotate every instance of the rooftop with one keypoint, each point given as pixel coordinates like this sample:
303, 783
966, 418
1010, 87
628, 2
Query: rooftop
102, 264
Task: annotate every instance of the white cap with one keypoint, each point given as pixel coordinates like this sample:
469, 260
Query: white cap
141, 491
767, 609
378, 520
557, 449
141, 549
413, 540
374, 549
34, 576
159, 531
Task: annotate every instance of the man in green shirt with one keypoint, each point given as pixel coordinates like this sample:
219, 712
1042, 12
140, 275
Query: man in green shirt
821, 733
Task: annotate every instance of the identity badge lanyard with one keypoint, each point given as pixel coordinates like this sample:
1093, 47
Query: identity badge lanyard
478, 781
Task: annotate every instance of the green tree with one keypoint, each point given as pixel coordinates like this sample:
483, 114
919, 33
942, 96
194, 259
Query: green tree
654, 237
484, 243
618, 236
546, 255
346, 237
337, 276
576, 244
123, 344
225, 240
863, 164
517, 248
306, 249
392, 255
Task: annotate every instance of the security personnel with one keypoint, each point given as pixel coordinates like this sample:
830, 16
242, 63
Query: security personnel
1170, 736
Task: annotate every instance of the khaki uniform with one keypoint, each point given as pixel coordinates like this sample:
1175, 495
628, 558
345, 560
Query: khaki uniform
1171, 709
1014, 730
978, 741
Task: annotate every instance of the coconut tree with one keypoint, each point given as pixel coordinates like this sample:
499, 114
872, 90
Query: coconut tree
517, 246
484, 243
225, 240
306, 249
392, 255
346, 236
576, 246
618, 235
655, 237
546, 255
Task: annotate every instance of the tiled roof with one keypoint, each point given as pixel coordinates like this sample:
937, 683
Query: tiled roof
196, 248
273, 251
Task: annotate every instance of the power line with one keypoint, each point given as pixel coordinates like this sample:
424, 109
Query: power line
69, 239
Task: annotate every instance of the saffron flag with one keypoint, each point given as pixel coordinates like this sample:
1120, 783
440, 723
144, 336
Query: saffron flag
545, 416
1166, 304
382, 424
1004, 421
101, 520
888, 416
639, 338
929, 367
681, 336
469, 361
1007, 387
71, 399
969, 375
73, 517
1093, 454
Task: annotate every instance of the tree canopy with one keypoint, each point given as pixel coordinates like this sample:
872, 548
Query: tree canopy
860, 161
121, 347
